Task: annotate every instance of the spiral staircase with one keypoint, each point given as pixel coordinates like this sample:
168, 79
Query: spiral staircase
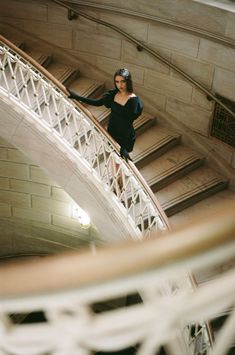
177, 175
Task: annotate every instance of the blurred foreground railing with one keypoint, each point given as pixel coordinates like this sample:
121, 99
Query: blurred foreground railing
83, 298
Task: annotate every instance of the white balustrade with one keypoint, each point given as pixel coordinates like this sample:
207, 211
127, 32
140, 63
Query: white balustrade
29, 88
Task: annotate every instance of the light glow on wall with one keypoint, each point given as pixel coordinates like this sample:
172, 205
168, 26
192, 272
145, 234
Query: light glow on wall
79, 214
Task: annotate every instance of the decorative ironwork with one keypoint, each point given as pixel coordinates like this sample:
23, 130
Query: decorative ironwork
30, 89
223, 124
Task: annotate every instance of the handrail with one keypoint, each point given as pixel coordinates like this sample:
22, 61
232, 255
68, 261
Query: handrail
213, 231
187, 28
151, 51
130, 165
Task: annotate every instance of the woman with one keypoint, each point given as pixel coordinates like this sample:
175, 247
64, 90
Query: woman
125, 108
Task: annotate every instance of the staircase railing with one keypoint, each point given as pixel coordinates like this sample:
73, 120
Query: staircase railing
31, 87
77, 297
142, 46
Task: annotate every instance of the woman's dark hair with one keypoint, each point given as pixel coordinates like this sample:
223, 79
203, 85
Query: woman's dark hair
127, 76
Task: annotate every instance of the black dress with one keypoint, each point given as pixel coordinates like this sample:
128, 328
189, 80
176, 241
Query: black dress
120, 125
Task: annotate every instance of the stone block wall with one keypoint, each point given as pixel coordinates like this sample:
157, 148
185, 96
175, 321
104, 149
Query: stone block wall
30, 198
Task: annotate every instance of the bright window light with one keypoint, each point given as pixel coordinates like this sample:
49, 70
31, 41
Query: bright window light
81, 216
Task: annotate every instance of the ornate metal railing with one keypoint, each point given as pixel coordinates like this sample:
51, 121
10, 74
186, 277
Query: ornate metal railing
31, 87
82, 304
223, 125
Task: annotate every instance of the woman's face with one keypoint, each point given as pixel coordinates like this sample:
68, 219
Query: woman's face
120, 83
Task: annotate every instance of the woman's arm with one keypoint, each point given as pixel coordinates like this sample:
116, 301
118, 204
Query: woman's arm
86, 100
134, 108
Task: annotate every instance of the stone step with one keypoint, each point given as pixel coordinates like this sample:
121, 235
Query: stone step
170, 166
16, 41
86, 87
101, 113
144, 122
195, 212
42, 58
63, 72
153, 143
190, 189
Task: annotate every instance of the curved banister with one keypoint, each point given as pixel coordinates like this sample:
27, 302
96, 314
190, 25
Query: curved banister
130, 166
152, 52
212, 232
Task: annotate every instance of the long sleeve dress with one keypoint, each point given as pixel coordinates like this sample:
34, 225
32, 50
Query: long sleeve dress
120, 125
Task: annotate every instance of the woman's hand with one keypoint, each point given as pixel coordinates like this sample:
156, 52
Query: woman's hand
124, 154
71, 95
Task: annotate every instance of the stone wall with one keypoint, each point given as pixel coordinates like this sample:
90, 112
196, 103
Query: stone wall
99, 51
35, 213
